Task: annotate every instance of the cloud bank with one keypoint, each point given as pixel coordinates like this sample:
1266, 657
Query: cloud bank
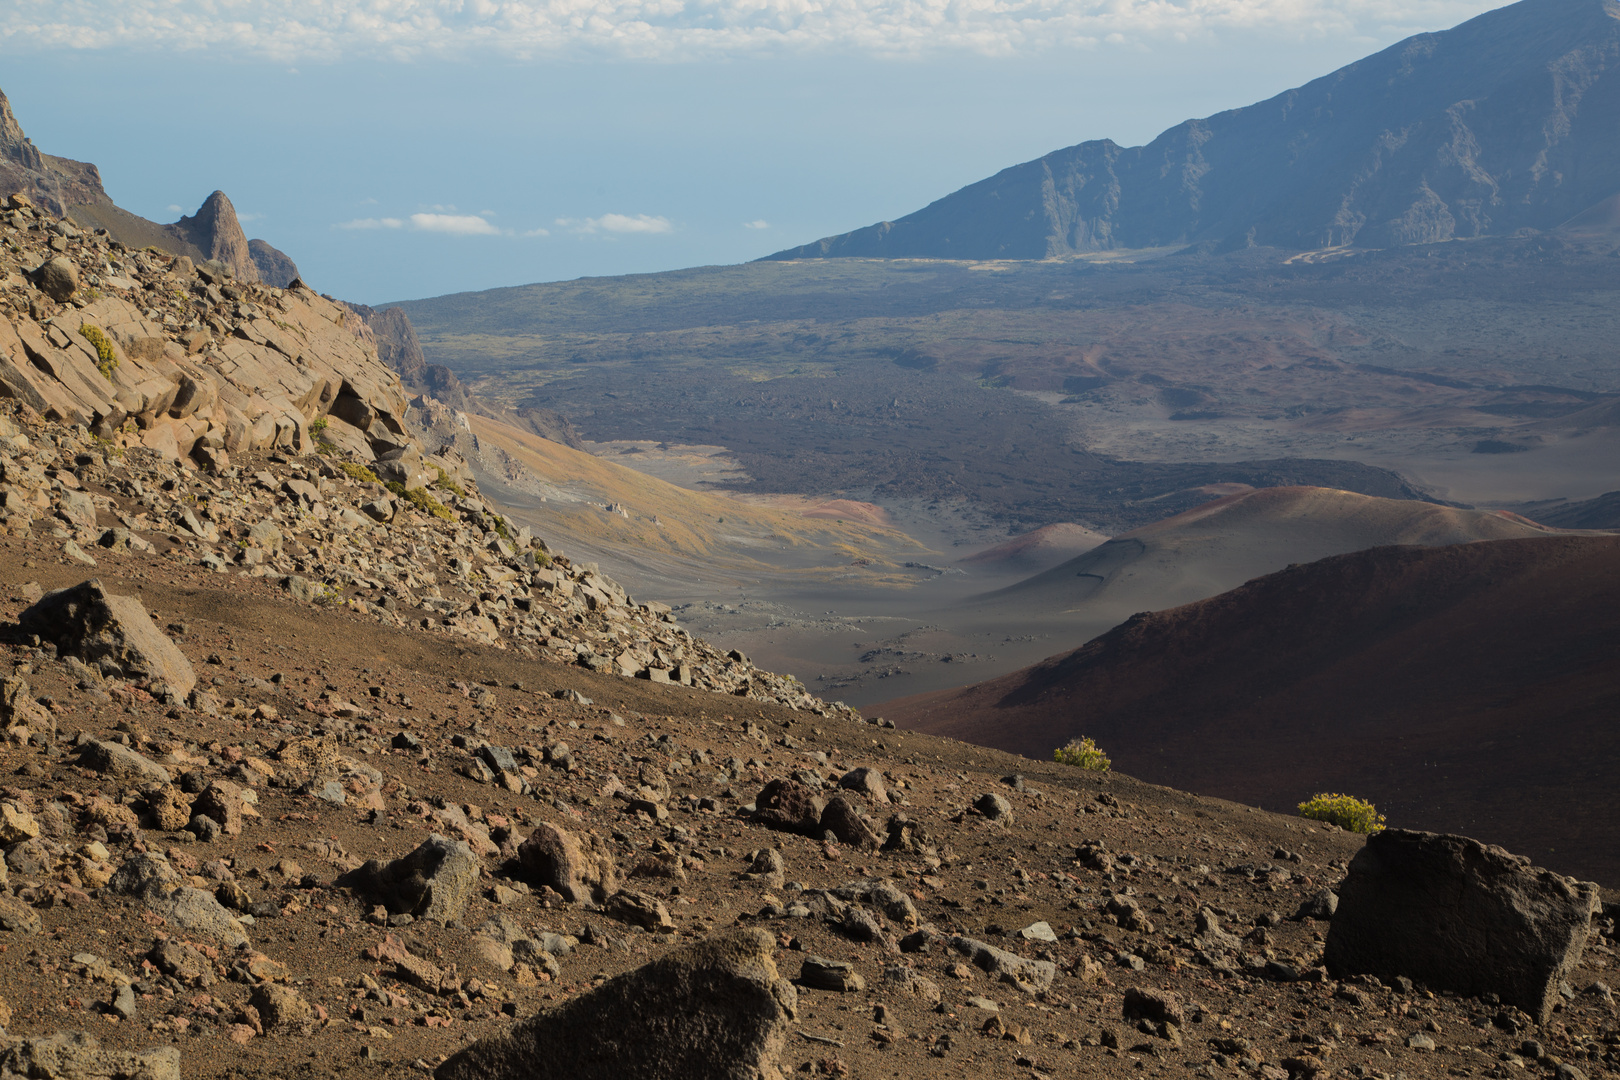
316, 30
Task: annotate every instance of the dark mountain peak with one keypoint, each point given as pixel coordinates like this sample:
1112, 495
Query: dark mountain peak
1502, 123
53, 183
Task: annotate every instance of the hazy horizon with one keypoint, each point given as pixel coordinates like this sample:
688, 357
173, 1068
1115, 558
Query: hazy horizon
400, 149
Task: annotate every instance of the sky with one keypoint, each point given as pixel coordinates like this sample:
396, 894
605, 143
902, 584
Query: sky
399, 149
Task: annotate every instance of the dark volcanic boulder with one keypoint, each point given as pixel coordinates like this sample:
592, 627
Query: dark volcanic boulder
789, 805
579, 870
112, 632
717, 1010
1454, 914
433, 882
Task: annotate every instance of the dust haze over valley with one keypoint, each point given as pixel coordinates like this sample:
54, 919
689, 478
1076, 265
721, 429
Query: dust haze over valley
1377, 310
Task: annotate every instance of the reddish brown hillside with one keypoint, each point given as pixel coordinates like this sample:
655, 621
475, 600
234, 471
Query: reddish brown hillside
1472, 688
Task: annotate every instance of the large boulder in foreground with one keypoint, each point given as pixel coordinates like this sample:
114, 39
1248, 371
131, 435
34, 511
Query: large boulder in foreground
74, 1055
111, 632
717, 1010
1454, 914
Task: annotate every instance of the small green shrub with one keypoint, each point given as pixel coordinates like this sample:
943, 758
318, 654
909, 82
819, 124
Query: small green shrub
1084, 754
106, 356
500, 528
317, 425
419, 498
446, 484
360, 473
1345, 811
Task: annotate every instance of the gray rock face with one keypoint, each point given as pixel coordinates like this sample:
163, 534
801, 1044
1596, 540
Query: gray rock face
433, 882
17, 705
145, 876
17, 917
717, 1010
121, 763
113, 632
75, 1055
1454, 914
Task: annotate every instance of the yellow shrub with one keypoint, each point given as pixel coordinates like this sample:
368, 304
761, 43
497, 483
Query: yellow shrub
1084, 754
106, 356
1345, 811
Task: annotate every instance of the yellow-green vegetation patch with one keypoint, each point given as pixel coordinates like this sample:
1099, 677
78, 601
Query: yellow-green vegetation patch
445, 483
359, 472
106, 355
1084, 754
1345, 811
419, 498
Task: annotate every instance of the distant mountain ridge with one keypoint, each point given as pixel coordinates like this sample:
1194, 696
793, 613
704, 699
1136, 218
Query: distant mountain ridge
1502, 123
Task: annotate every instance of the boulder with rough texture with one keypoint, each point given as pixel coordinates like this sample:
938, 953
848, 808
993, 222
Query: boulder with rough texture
58, 279
121, 763
1454, 914
75, 1055
433, 882
16, 825
717, 1010
281, 1010
198, 911
865, 781
843, 818
1030, 976
113, 632
18, 707
221, 801
17, 917
639, 909
790, 806
578, 871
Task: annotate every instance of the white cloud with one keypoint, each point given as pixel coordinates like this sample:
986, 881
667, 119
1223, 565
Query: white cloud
617, 223
371, 223
538, 232
761, 224
296, 30
176, 208
458, 224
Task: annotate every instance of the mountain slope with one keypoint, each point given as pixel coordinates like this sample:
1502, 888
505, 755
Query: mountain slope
1501, 123
1471, 688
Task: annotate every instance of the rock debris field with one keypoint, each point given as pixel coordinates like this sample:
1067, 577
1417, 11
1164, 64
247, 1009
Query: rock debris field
303, 775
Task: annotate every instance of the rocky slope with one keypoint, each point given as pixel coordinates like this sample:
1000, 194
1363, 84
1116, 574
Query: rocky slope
355, 849
1466, 688
1496, 125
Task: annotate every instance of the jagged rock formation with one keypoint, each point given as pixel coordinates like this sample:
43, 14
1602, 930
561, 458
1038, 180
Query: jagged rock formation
1502, 123
73, 189
52, 182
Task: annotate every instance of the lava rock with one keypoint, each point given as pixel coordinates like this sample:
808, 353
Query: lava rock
715, 1009
580, 872
435, 881
1454, 914
112, 632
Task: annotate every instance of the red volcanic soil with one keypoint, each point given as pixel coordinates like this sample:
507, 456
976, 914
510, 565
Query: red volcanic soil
1473, 688
849, 510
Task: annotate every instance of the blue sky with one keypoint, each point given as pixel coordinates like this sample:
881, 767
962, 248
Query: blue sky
407, 148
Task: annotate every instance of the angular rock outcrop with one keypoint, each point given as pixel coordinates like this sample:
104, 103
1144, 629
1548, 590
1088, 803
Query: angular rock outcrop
434, 882
790, 806
75, 1055
1454, 914
716, 1010
112, 632
580, 872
